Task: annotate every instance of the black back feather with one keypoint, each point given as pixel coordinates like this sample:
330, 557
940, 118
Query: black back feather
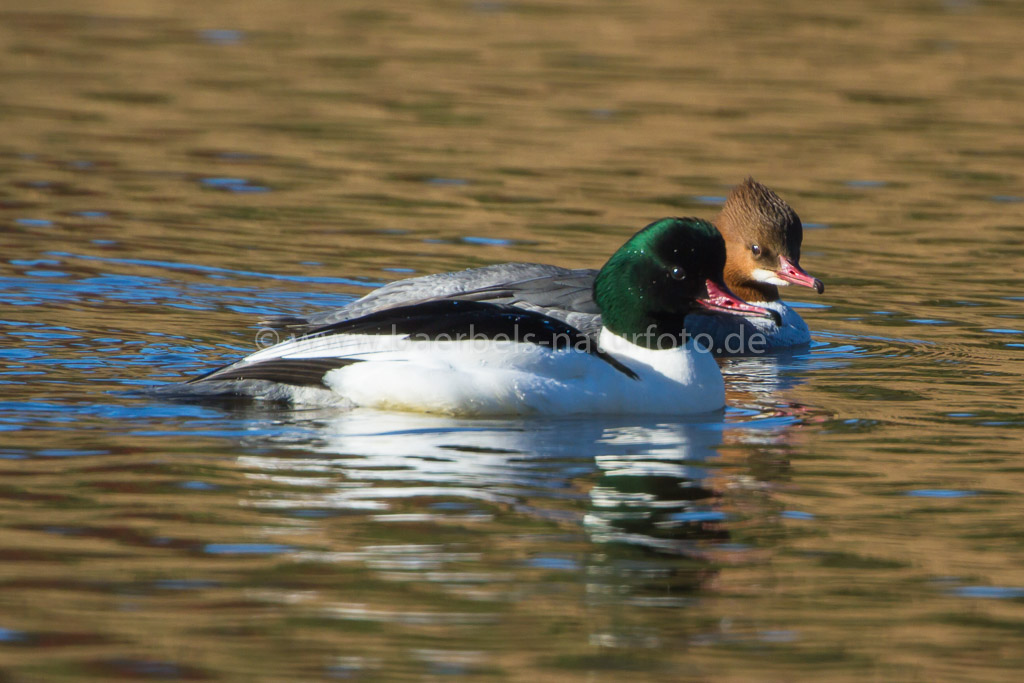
456, 320
299, 372
443, 320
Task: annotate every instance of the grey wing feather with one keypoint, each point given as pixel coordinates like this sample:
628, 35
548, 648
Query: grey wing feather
561, 293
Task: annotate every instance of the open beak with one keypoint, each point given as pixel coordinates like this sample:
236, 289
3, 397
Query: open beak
721, 300
794, 274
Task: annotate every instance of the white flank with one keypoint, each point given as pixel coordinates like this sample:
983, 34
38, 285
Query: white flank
478, 377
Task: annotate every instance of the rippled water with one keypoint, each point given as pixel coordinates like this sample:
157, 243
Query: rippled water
172, 172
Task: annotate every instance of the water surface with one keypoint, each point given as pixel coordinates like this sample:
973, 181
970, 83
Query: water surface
171, 174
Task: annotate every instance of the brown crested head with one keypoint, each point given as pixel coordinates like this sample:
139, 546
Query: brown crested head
762, 236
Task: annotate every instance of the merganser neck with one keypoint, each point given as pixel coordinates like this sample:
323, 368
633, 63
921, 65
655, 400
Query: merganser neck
751, 291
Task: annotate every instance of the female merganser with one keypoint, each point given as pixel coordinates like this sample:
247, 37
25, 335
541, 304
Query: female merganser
762, 235
466, 357
762, 241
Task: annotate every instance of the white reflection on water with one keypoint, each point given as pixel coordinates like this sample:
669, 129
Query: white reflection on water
637, 483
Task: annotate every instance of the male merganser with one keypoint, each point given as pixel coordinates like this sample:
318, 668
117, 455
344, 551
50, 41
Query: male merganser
762, 234
467, 357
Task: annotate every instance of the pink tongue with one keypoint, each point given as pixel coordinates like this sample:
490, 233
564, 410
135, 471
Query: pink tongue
720, 299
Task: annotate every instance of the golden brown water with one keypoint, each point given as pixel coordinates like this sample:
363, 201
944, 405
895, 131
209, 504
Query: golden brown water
171, 172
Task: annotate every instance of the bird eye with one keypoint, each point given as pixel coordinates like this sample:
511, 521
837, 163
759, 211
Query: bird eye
678, 273
755, 250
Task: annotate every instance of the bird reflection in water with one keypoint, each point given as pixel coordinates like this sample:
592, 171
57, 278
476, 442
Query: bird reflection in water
641, 491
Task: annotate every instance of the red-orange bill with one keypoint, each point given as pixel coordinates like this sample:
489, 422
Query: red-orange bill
721, 299
794, 274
